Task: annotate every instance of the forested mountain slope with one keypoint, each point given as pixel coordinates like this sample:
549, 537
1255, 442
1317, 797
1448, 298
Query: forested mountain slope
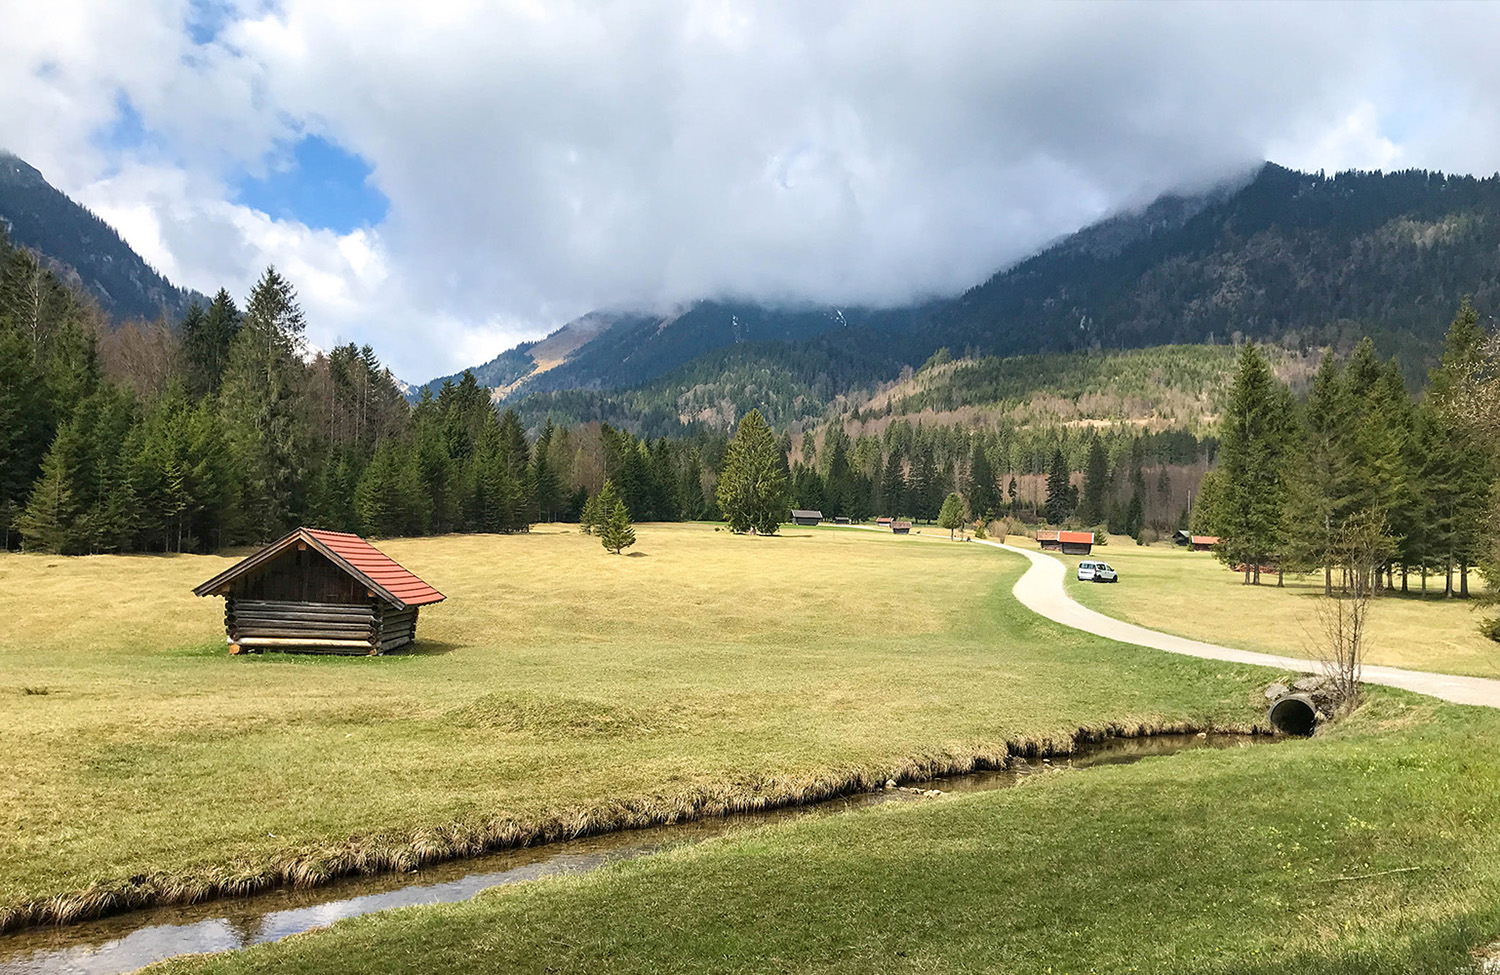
1296, 258
1288, 255
82, 250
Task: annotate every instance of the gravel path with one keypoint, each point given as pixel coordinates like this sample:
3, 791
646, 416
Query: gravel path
1041, 590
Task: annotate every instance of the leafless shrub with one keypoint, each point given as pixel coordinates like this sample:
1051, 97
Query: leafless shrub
1362, 546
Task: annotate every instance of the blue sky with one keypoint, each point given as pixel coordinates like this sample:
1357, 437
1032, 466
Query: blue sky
319, 185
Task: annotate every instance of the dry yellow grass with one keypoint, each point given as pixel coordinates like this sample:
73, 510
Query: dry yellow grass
558, 689
1194, 595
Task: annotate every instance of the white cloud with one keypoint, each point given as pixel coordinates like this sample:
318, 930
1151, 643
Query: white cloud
542, 159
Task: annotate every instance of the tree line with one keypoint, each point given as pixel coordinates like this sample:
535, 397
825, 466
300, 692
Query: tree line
1293, 475
224, 429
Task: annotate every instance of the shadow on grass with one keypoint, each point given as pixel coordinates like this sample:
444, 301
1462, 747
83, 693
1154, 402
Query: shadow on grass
421, 648
635, 555
428, 648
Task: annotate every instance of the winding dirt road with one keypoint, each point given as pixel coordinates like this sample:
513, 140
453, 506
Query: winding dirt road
1041, 590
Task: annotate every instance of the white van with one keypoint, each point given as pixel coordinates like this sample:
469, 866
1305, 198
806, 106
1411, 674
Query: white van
1096, 572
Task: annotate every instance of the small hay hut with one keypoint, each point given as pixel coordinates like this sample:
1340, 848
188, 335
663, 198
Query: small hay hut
315, 591
803, 517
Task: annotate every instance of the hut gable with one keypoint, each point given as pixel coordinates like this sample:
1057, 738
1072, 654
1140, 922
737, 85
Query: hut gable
320, 591
365, 570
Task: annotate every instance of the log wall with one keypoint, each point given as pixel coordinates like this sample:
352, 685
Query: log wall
297, 627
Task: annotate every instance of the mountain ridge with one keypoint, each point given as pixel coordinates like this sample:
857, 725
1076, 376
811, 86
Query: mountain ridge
82, 249
1286, 256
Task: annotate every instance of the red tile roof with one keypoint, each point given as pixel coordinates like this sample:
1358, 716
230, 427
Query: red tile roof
1077, 538
378, 571
377, 567
1205, 539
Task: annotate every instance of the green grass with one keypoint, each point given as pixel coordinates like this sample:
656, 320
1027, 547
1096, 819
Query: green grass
1193, 594
558, 689
1372, 848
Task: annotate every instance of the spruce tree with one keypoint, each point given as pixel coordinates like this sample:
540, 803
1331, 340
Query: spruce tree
1059, 503
752, 487
589, 519
25, 429
984, 497
893, 491
207, 336
543, 478
389, 498
1093, 506
1253, 455
615, 531
260, 402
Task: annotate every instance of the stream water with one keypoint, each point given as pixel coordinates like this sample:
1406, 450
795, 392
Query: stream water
130, 941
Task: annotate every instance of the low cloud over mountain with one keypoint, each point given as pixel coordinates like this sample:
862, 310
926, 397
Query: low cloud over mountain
505, 169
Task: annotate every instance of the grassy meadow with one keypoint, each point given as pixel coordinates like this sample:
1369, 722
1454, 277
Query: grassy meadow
1352, 852
1193, 594
559, 689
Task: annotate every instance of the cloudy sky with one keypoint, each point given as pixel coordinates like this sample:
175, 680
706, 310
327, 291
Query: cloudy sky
443, 179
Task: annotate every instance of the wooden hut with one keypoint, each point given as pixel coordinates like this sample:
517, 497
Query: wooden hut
800, 517
1068, 543
883, 521
1204, 543
316, 591
901, 527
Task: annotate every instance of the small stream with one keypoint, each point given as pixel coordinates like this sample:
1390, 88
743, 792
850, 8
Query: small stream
130, 941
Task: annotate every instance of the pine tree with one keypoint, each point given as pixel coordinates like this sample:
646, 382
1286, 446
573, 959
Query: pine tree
1254, 450
984, 497
924, 490
51, 521
893, 491
1135, 512
1459, 391
690, 486
260, 403
1093, 506
389, 497
752, 487
25, 429
206, 339
953, 514
590, 518
1059, 503
1318, 486
616, 532
543, 478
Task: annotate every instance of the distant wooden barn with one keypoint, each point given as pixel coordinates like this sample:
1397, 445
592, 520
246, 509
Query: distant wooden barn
316, 591
1068, 543
801, 517
1197, 543
901, 527
884, 522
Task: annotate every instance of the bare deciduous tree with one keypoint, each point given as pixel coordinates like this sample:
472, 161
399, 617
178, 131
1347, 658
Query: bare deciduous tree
1362, 547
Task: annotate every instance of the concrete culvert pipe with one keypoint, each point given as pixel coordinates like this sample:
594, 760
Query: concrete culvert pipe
1294, 714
